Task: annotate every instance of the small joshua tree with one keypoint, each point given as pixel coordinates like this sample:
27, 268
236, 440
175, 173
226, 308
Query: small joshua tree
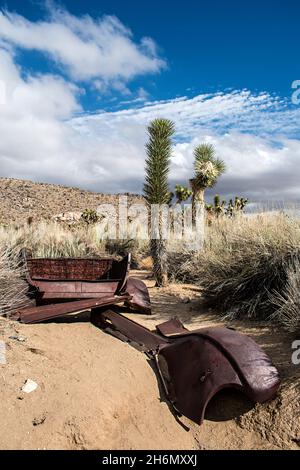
207, 169
182, 193
236, 207
156, 188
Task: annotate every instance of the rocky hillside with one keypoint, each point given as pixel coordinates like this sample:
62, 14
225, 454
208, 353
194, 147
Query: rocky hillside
20, 199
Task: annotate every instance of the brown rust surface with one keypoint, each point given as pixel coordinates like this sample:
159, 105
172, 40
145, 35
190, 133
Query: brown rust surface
46, 312
195, 365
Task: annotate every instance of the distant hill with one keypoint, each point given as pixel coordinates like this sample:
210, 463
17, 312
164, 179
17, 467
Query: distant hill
20, 199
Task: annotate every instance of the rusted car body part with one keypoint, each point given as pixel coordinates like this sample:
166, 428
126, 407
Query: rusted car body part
140, 299
53, 280
47, 312
56, 280
195, 365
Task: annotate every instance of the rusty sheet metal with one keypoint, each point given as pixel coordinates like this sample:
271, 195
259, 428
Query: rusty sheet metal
140, 299
47, 312
195, 365
52, 279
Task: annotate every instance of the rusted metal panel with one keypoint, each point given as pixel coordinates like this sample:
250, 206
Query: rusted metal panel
113, 322
50, 279
47, 312
140, 299
195, 365
55, 280
70, 269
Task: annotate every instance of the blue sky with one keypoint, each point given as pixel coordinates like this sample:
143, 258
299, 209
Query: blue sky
209, 45
82, 79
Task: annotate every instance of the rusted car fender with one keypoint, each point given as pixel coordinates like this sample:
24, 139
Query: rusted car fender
139, 296
195, 365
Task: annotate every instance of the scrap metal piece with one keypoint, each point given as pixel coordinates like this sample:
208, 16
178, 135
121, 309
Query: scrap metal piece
195, 365
67, 279
116, 324
47, 312
140, 299
54, 280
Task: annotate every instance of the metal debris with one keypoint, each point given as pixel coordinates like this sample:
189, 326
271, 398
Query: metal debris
195, 365
55, 282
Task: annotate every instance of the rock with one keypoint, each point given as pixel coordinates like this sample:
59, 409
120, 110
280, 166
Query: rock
29, 386
19, 338
2, 353
40, 420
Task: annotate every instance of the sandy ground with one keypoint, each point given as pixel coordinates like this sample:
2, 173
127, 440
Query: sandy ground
95, 392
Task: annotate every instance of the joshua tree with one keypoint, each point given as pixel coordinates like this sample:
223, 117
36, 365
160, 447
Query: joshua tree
207, 169
156, 188
219, 207
182, 193
237, 206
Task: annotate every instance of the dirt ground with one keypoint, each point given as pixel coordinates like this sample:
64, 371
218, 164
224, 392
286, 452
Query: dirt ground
95, 392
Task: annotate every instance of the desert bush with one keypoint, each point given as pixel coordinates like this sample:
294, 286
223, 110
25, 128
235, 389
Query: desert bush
12, 286
139, 249
90, 216
287, 302
50, 239
245, 262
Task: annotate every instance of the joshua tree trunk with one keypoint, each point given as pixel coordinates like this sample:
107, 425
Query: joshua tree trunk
159, 256
197, 199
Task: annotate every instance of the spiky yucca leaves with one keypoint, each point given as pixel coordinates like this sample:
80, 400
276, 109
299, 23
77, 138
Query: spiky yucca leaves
207, 167
158, 149
156, 187
182, 193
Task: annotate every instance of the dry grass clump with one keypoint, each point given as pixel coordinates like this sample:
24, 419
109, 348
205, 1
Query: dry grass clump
50, 239
248, 267
12, 287
287, 302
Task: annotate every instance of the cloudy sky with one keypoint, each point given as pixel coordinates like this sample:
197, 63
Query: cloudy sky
79, 84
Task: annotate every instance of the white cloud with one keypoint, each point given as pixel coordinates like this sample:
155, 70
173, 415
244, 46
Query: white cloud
42, 139
100, 49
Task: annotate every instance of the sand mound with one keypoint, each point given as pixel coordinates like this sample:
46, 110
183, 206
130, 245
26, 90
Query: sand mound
94, 392
279, 420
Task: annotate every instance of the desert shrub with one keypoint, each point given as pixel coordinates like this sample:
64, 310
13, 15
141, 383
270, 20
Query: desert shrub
244, 263
138, 249
12, 286
287, 302
90, 216
50, 239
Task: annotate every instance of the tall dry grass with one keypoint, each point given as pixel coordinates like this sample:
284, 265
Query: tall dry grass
248, 267
12, 286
